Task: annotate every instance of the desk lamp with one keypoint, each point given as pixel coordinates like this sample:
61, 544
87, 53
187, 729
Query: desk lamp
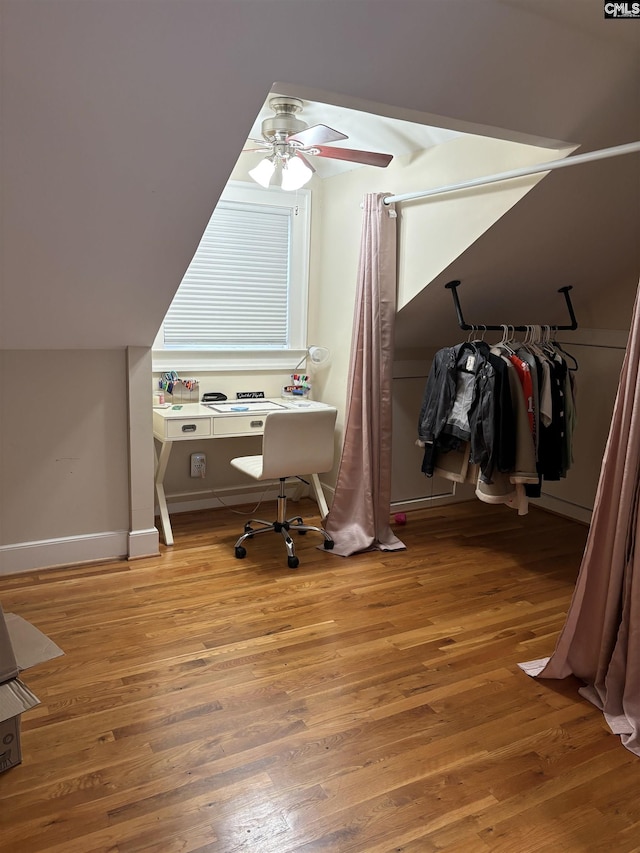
318, 356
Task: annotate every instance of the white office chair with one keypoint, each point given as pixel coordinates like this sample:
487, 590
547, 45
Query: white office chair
294, 443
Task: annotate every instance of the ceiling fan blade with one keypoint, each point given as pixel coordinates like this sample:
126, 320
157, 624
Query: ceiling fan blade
263, 142
316, 135
262, 150
367, 158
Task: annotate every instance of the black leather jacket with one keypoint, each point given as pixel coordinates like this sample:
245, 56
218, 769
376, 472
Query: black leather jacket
435, 427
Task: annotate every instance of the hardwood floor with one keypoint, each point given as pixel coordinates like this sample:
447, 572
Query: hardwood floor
363, 705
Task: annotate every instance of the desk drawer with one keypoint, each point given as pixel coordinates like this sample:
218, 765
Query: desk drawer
187, 427
235, 425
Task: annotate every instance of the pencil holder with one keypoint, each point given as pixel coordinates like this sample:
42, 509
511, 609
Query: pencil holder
298, 387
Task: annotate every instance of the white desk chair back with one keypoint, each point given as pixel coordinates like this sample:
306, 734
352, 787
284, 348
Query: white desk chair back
298, 443
294, 443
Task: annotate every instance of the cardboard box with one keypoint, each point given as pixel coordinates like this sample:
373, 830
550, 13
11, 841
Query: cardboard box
21, 647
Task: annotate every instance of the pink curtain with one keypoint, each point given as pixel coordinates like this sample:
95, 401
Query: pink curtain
359, 515
600, 641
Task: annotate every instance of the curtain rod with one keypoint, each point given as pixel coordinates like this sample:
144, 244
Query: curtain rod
604, 153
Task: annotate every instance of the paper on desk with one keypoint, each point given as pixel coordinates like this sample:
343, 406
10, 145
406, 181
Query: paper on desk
245, 406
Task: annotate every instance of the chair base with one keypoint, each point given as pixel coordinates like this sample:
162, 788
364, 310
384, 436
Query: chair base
283, 526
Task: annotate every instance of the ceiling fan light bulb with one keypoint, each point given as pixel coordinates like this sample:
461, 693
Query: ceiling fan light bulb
295, 174
263, 172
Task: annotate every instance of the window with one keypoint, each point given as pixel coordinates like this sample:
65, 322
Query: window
243, 298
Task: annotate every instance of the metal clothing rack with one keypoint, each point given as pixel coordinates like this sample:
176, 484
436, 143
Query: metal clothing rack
453, 287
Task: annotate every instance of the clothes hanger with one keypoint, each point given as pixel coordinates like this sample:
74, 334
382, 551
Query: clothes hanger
567, 355
504, 343
558, 348
535, 343
472, 337
547, 343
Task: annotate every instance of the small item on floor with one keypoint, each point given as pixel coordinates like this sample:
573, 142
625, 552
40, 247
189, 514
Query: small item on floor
400, 518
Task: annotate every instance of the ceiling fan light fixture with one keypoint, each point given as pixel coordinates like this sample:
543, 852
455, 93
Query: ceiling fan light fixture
295, 174
263, 172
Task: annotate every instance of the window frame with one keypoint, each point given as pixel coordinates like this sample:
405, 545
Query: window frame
230, 359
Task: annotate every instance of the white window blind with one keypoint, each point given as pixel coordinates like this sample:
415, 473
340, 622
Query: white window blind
236, 291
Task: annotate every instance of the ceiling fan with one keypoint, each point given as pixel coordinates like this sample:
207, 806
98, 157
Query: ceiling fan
288, 141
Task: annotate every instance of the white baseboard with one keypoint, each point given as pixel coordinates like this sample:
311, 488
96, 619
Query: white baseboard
189, 501
143, 543
425, 503
560, 507
551, 504
457, 495
69, 550
460, 494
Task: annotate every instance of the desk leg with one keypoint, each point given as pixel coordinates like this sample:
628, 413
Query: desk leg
161, 468
320, 499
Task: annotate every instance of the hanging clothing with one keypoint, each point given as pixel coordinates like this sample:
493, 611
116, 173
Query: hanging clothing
499, 417
459, 406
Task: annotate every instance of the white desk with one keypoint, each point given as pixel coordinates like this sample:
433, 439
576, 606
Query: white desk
230, 419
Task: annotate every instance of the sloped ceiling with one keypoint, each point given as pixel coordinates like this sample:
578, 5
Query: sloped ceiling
121, 121
578, 227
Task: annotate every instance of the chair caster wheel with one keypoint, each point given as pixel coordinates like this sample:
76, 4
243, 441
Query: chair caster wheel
328, 544
248, 529
240, 552
301, 532
293, 562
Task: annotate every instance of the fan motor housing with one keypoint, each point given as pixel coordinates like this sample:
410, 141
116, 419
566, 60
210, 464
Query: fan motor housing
284, 122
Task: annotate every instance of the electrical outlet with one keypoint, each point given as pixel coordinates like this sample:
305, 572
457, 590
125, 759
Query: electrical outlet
198, 465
